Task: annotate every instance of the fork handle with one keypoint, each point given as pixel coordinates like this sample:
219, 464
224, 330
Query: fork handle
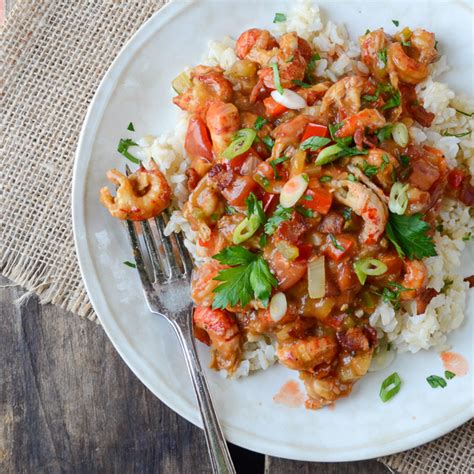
221, 460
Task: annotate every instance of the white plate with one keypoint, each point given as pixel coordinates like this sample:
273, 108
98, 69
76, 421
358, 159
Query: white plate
137, 88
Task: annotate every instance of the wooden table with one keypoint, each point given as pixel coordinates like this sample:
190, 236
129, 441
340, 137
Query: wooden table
70, 404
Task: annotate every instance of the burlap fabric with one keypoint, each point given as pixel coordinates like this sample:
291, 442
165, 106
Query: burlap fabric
54, 53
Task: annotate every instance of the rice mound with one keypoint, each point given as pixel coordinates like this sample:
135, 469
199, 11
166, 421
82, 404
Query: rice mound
403, 328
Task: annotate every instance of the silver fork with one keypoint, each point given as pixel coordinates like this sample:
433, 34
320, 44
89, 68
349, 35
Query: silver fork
167, 292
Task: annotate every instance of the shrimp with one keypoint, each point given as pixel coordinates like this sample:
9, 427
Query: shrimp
254, 39
415, 278
140, 196
290, 57
223, 121
418, 200
323, 391
203, 282
289, 134
344, 97
366, 204
425, 44
367, 119
224, 335
371, 45
202, 207
209, 85
305, 354
383, 161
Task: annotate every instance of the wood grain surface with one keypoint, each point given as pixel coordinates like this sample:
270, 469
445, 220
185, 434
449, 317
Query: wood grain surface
70, 404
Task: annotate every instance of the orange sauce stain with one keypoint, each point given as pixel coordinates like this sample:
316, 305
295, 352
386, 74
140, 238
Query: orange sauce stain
331, 407
455, 363
290, 395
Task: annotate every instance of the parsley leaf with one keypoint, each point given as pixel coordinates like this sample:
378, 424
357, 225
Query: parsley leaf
124, 145
409, 236
385, 133
259, 123
394, 101
280, 215
436, 381
279, 18
314, 143
248, 278
369, 170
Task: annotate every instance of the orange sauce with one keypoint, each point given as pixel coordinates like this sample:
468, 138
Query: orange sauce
290, 395
455, 363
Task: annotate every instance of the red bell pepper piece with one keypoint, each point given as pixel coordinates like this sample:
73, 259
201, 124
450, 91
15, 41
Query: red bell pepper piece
455, 178
320, 201
315, 130
272, 108
337, 249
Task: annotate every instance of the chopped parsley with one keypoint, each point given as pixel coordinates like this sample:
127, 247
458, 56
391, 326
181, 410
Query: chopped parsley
131, 127
268, 141
310, 67
436, 381
385, 162
351, 178
439, 227
130, 264
290, 59
336, 244
409, 235
314, 143
248, 278
275, 162
123, 146
325, 179
229, 210
406, 43
384, 133
369, 170
394, 101
259, 123
445, 133
302, 84
280, 215
388, 89
265, 182
390, 387
449, 375
347, 213
404, 160
382, 55
279, 18
392, 295
255, 207
304, 211
396, 22
263, 241
467, 237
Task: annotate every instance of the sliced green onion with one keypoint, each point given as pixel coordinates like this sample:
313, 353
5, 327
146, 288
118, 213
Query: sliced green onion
241, 142
293, 190
400, 134
276, 78
369, 267
449, 375
278, 306
436, 381
181, 83
246, 229
328, 154
390, 387
398, 201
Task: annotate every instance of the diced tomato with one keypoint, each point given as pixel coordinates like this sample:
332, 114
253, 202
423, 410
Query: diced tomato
315, 130
198, 142
272, 108
394, 264
270, 202
455, 178
346, 277
320, 201
287, 273
343, 241
466, 193
237, 162
305, 251
238, 190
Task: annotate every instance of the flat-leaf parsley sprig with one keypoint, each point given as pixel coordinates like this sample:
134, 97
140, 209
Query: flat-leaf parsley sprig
248, 278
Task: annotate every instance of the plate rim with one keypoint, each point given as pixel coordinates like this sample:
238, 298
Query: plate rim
80, 170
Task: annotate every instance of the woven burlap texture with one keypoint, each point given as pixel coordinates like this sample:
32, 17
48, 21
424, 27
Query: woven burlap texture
54, 54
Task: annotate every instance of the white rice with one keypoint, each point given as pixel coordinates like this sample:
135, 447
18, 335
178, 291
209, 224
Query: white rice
406, 330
